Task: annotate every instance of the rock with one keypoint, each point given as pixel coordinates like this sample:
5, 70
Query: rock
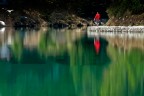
57, 25
80, 25
2, 23
126, 20
24, 21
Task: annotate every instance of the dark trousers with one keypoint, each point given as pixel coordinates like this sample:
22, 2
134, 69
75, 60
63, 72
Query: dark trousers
97, 22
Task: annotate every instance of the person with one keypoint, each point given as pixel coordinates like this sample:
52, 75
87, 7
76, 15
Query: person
97, 18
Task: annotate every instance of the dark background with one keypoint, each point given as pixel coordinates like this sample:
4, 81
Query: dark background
85, 8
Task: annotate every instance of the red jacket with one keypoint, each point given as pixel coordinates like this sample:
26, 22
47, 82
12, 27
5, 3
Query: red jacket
97, 16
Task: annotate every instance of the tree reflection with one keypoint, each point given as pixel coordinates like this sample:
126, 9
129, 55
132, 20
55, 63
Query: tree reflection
87, 66
124, 76
17, 47
49, 46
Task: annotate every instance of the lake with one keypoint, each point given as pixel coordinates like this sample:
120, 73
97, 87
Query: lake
66, 62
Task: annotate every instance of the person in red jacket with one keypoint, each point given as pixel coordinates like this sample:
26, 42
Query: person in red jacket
97, 18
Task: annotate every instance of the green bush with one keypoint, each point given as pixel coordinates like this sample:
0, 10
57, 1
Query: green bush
119, 8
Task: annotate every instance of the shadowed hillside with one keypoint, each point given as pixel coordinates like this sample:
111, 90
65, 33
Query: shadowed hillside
82, 8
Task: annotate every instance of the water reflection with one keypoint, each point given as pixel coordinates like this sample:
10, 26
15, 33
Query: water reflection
65, 62
97, 44
5, 52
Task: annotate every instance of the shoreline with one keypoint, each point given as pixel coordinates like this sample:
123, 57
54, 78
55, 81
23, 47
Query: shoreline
63, 19
126, 20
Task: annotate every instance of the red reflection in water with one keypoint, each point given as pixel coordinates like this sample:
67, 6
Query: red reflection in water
97, 45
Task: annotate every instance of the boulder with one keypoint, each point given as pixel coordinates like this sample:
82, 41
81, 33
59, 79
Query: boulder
2, 23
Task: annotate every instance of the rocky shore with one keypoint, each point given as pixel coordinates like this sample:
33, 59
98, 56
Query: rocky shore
127, 20
31, 18
61, 19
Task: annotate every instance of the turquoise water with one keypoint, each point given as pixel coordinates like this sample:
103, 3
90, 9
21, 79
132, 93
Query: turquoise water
48, 62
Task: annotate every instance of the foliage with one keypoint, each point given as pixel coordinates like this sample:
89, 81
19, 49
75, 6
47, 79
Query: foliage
118, 8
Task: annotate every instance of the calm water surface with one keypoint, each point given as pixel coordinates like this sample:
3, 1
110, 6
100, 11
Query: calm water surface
48, 62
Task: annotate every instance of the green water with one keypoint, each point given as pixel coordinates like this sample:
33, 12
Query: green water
48, 62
